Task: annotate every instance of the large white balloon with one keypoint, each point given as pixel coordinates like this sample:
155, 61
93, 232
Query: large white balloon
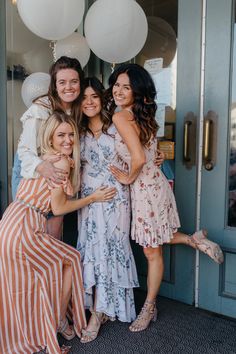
38, 59
34, 86
51, 19
116, 30
160, 43
19, 38
74, 46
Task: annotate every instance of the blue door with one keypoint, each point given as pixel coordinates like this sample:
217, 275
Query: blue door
205, 177
217, 286
179, 279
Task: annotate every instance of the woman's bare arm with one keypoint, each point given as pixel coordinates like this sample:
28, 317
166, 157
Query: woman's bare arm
129, 133
61, 205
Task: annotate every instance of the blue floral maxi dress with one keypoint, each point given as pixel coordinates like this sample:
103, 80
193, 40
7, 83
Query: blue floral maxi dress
104, 228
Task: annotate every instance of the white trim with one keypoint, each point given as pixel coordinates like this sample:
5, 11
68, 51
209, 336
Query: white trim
200, 142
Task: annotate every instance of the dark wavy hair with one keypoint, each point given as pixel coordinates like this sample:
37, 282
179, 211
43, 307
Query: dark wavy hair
56, 105
106, 117
144, 93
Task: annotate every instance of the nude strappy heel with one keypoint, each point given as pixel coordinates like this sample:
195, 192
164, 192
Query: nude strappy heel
66, 330
147, 314
208, 247
90, 335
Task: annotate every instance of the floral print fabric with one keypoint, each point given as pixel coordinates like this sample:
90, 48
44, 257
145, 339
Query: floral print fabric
104, 229
154, 212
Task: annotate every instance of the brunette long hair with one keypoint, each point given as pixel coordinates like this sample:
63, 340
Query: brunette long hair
106, 120
56, 105
144, 93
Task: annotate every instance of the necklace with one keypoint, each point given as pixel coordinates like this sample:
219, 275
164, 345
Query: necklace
96, 132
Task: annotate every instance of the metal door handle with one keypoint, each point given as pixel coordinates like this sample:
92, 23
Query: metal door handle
206, 151
210, 139
186, 140
189, 140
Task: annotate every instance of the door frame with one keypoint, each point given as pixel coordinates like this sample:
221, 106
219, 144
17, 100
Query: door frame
3, 111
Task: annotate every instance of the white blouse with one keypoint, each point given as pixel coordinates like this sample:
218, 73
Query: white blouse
29, 142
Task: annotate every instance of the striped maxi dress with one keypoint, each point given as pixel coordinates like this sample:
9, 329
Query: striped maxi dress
31, 268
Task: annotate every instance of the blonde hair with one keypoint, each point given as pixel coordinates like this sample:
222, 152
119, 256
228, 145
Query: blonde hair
46, 134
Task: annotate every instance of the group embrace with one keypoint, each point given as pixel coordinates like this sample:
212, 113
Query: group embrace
99, 144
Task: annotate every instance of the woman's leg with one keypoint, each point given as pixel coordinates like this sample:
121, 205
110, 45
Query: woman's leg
65, 329
199, 241
155, 271
54, 226
95, 322
154, 278
66, 288
181, 238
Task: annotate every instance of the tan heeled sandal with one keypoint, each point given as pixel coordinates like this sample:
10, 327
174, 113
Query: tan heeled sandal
147, 314
66, 330
90, 335
208, 247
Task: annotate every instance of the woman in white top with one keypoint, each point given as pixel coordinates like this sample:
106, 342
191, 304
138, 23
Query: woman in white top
63, 96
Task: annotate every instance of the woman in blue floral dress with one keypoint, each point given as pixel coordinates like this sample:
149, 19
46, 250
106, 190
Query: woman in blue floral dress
109, 270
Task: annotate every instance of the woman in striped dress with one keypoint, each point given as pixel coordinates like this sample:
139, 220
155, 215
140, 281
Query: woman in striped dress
40, 276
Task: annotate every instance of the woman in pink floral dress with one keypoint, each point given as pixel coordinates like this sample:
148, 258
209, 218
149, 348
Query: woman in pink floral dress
155, 218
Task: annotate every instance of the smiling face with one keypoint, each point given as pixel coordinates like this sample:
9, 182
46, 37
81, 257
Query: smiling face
63, 139
91, 104
122, 92
68, 86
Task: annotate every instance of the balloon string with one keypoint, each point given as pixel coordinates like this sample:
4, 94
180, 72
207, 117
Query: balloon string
52, 45
113, 67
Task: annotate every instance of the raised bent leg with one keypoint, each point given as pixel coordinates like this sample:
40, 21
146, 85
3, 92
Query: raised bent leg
199, 241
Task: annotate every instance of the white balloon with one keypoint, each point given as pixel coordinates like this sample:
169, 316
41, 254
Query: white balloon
74, 46
160, 43
51, 19
34, 85
116, 30
19, 39
38, 59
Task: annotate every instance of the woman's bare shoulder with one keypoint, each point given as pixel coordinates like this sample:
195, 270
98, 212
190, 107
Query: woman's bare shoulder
122, 116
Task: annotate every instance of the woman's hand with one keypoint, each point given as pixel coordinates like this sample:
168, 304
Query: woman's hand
160, 157
120, 175
49, 171
103, 194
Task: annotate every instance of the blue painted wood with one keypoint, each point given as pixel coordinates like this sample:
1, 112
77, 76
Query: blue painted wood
188, 83
214, 183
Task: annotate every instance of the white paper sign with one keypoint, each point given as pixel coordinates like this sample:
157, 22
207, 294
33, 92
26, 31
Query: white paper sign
163, 86
153, 66
160, 118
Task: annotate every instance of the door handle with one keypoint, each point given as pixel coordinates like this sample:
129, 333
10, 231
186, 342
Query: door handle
189, 140
210, 140
187, 125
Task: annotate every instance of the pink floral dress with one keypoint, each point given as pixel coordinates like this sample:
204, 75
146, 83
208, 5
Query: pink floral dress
154, 212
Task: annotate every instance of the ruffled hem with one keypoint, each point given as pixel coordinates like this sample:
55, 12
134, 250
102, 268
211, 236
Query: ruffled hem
119, 306
155, 215
154, 239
